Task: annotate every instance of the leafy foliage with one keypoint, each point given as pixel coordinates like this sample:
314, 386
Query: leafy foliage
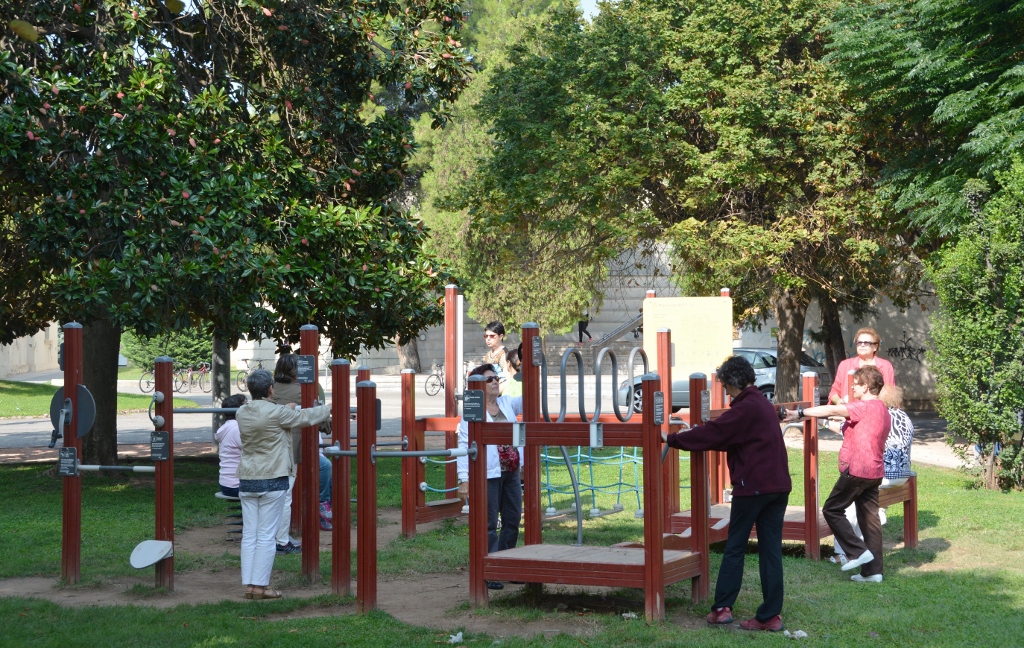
189, 348
214, 168
716, 128
978, 357
944, 83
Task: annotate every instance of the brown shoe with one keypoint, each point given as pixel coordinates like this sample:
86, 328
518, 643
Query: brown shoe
773, 624
720, 616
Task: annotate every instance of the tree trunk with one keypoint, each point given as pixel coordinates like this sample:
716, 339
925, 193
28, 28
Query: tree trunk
220, 376
832, 334
409, 354
790, 310
101, 342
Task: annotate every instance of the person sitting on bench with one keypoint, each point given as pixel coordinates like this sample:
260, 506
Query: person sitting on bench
229, 446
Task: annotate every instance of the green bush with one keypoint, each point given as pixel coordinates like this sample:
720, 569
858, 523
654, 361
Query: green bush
187, 348
978, 357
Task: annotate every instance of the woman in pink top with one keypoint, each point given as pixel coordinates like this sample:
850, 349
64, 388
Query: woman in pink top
867, 342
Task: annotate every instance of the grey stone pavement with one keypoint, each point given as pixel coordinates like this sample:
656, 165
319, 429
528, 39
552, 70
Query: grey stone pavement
25, 439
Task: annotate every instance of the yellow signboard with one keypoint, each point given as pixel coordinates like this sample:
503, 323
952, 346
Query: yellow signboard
701, 328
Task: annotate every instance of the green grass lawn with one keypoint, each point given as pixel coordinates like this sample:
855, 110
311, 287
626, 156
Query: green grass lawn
33, 399
964, 585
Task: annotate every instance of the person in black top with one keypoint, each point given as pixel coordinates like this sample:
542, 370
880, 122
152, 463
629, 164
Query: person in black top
759, 468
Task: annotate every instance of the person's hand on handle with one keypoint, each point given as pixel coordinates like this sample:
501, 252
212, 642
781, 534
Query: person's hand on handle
464, 490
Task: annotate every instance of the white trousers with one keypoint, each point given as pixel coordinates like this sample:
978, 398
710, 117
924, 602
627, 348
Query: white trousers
851, 513
260, 515
285, 523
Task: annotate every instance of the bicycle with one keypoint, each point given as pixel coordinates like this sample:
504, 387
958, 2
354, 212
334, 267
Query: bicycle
435, 381
243, 375
147, 381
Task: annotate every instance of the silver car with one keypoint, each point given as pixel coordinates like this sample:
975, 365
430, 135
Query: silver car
764, 362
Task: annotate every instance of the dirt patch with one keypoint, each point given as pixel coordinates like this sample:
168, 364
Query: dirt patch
427, 600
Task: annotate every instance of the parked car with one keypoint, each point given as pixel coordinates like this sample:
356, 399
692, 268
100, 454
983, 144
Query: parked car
764, 362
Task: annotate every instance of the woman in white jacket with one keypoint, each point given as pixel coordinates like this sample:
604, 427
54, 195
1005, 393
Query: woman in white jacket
504, 463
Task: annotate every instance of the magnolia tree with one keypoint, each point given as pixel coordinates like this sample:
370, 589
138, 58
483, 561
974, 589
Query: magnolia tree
166, 167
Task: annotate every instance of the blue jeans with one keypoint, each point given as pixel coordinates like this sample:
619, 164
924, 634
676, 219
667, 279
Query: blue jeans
325, 479
504, 496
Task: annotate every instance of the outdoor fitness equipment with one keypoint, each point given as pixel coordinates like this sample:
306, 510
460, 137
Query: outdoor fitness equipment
415, 507
651, 568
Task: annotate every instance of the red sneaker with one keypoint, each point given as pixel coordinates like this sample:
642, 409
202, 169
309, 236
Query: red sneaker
773, 624
720, 616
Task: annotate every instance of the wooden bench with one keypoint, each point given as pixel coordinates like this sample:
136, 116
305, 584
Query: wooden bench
907, 495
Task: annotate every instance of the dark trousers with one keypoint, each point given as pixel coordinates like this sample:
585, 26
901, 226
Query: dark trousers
504, 496
862, 493
583, 330
767, 512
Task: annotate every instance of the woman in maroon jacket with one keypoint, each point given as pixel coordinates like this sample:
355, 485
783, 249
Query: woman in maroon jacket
759, 467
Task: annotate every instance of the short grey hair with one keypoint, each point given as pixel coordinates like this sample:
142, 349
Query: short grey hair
259, 383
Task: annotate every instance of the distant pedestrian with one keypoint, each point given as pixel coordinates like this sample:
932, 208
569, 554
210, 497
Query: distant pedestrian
583, 323
229, 446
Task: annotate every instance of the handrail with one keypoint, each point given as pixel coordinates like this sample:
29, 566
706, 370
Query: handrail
618, 332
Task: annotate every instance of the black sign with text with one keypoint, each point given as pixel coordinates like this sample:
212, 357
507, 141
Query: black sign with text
473, 407
158, 447
67, 463
659, 407
306, 369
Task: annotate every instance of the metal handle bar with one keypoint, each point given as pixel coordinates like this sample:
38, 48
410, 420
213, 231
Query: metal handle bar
134, 469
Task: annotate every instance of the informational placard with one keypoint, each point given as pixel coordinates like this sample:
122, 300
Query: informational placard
67, 462
816, 397
159, 449
473, 407
705, 405
659, 407
537, 352
306, 369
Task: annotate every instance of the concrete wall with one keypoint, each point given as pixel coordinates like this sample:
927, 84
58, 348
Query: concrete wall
31, 353
905, 338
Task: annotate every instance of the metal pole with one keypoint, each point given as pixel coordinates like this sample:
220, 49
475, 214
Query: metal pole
410, 485
163, 373
671, 469
309, 470
812, 539
654, 495
341, 427
699, 501
366, 495
478, 501
71, 541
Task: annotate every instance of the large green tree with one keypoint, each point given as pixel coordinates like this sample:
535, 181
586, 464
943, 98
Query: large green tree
978, 358
944, 86
716, 128
215, 165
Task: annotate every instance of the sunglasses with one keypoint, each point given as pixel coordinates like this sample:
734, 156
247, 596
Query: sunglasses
490, 335
866, 343
491, 379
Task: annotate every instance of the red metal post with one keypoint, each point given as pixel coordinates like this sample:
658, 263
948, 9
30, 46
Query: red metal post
452, 375
309, 469
366, 496
478, 502
716, 460
812, 541
532, 510
410, 485
699, 500
363, 375
71, 520
670, 473
341, 428
654, 496
163, 369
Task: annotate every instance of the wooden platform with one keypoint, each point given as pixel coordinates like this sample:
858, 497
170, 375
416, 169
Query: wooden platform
792, 525
438, 510
586, 565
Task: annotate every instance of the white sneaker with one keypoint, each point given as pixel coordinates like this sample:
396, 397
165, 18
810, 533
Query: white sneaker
839, 559
862, 559
874, 578
882, 517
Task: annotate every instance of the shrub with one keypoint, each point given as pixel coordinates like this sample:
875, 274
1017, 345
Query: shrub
978, 355
188, 348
